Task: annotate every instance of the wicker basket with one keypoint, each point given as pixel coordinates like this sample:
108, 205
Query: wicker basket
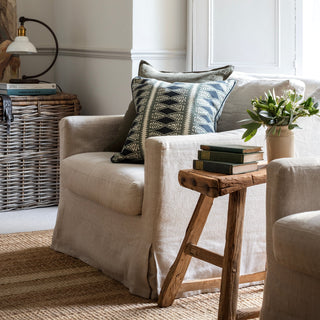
29, 154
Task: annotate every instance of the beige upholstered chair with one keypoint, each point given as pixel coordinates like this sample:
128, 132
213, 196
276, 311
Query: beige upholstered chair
129, 219
292, 287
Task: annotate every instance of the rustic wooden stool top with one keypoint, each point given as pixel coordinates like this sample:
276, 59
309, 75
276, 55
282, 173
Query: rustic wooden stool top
218, 184
213, 185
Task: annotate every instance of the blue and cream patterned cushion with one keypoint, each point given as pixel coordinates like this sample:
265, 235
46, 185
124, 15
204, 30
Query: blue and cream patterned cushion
177, 108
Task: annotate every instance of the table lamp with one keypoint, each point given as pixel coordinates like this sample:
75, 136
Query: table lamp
22, 45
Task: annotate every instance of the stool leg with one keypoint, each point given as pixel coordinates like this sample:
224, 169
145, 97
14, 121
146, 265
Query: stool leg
179, 268
232, 256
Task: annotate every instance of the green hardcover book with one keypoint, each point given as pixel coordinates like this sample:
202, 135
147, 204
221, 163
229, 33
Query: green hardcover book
232, 157
224, 167
232, 148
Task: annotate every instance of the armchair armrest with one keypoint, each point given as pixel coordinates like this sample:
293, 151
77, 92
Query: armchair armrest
179, 151
166, 155
292, 187
80, 134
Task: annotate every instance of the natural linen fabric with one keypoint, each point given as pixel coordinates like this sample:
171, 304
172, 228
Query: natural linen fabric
146, 70
105, 181
178, 108
292, 286
296, 242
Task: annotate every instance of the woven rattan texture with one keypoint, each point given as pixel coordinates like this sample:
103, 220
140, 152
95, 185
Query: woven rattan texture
38, 283
29, 154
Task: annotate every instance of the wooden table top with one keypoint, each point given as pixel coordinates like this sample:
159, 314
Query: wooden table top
218, 184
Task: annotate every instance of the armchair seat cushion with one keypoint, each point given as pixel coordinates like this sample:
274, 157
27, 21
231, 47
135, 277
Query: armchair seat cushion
116, 186
296, 242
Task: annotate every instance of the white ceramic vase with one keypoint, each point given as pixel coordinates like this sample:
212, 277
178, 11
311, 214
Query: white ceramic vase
280, 144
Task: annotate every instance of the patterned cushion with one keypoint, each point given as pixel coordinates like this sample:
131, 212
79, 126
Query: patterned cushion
146, 70
178, 108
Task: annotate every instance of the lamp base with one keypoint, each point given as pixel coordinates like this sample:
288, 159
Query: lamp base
24, 80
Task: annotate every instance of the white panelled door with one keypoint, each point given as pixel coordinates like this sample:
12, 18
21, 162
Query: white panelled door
252, 35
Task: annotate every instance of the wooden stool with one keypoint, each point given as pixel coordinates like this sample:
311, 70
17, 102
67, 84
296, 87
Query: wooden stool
213, 185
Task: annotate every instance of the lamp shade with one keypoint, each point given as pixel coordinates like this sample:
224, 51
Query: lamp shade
20, 45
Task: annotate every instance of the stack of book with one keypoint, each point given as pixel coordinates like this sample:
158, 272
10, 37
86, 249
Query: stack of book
228, 159
27, 89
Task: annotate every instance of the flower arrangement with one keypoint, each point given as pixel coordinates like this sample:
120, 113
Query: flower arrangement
275, 112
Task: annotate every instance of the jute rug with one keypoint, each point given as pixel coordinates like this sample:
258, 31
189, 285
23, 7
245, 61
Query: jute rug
39, 283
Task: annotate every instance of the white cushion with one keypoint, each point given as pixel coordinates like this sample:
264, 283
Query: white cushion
247, 88
296, 242
114, 185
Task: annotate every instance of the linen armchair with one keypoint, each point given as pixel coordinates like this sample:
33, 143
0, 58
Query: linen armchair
129, 219
292, 286
137, 245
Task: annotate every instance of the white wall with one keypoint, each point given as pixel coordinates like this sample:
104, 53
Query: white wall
254, 36
94, 24
159, 33
101, 43
95, 38
308, 57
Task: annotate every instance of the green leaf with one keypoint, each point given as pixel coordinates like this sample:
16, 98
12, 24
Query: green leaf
253, 115
251, 130
251, 125
308, 102
292, 126
283, 121
249, 134
288, 107
279, 131
312, 112
266, 115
